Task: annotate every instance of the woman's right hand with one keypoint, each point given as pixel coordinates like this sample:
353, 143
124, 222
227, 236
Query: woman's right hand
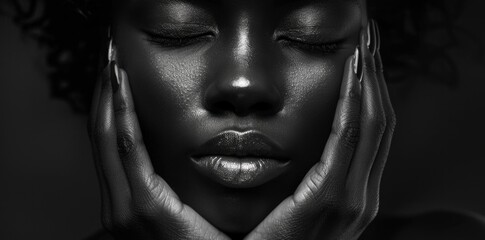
136, 202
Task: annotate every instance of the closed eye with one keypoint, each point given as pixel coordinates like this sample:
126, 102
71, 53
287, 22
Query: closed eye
315, 47
178, 40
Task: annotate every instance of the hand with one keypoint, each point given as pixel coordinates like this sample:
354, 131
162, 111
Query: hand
136, 202
339, 196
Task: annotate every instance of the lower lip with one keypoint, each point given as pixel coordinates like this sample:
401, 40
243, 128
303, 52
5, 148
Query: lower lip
237, 172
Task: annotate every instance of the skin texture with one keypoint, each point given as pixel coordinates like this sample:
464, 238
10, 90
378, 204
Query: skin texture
245, 70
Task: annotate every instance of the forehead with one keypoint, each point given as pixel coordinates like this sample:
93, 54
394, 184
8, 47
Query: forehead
311, 11
269, 7
222, 3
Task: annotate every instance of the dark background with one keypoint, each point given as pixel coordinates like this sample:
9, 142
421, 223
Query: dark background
48, 187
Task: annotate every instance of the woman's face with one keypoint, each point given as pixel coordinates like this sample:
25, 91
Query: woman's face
235, 98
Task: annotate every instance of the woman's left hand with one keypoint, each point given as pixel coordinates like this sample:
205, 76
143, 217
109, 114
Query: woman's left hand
339, 196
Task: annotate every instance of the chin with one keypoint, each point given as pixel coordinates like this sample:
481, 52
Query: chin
236, 217
235, 210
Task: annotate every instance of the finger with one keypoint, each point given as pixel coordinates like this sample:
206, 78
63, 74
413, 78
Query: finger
290, 219
109, 162
332, 168
151, 194
372, 125
184, 224
130, 145
372, 41
380, 162
105, 200
148, 190
95, 101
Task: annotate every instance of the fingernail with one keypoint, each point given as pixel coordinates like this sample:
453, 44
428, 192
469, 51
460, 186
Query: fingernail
111, 51
369, 35
372, 37
364, 37
115, 76
356, 59
358, 63
378, 36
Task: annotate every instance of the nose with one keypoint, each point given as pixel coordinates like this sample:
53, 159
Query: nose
243, 96
245, 80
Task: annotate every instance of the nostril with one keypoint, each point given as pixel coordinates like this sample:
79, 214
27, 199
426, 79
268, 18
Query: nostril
222, 107
263, 108
259, 108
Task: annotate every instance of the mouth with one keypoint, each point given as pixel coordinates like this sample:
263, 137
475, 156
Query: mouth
240, 159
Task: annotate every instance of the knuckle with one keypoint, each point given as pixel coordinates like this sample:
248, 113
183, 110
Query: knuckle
369, 65
354, 212
156, 194
156, 189
313, 186
163, 196
377, 123
391, 121
145, 211
121, 107
316, 180
126, 144
155, 201
144, 207
123, 110
349, 132
332, 202
354, 95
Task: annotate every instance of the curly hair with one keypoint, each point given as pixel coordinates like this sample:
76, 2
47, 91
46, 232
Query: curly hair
72, 30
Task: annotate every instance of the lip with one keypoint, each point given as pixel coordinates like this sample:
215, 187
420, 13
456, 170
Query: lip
240, 159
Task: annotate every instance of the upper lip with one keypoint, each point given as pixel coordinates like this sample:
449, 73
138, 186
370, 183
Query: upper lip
241, 144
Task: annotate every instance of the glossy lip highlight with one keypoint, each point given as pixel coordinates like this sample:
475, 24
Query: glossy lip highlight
240, 159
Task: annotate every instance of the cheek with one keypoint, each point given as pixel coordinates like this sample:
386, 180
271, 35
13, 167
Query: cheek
166, 89
313, 87
170, 81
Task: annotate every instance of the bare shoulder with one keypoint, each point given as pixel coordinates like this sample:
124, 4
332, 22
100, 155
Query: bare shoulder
443, 225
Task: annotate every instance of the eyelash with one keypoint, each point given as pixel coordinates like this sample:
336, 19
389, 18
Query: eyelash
325, 48
178, 42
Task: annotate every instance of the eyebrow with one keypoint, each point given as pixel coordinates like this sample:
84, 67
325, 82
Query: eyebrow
289, 1
281, 2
